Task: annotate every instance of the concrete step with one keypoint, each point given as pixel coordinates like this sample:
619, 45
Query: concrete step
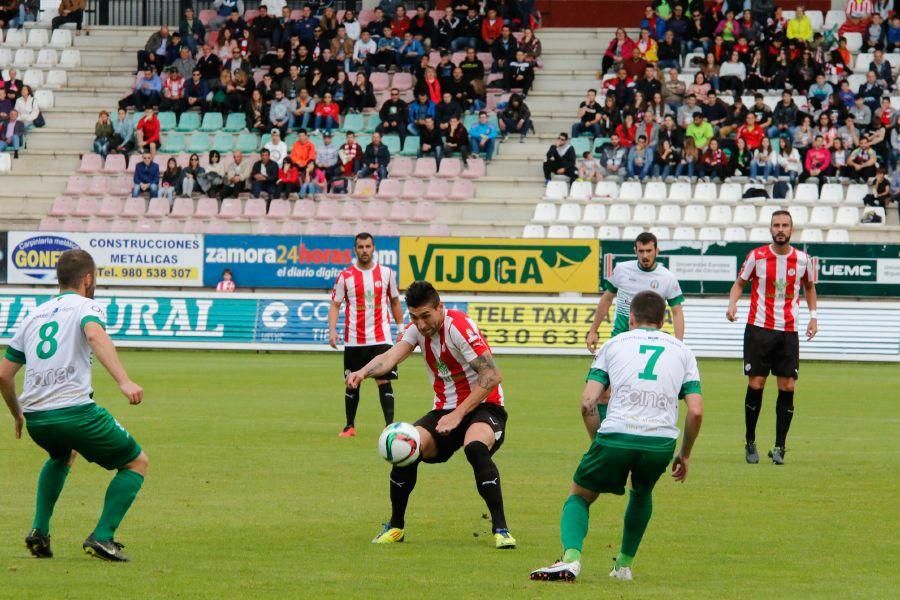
71, 141
121, 80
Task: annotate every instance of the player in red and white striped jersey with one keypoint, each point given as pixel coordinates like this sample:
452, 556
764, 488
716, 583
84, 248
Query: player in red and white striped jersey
771, 344
368, 292
468, 404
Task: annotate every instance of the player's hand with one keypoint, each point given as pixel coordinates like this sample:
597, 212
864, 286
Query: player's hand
449, 422
332, 340
812, 329
132, 391
731, 313
588, 406
591, 340
20, 422
680, 468
354, 379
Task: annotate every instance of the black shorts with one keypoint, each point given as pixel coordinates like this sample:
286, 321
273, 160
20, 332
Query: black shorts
493, 415
356, 357
768, 350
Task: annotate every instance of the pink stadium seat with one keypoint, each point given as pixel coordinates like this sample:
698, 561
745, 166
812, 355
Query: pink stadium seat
77, 185
387, 230
413, 189
316, 228
132, 164
206, 15
425, 167
249, 15
402, 81
195, 226
438, 230
159, 208
291, 228
400, 211
462, 189
121, 186
183, 159
97, 225
327, 210
266, 227
437, 189
121, 226
365, 16
87, 206
364, 188
458, 57
340, 228
50, 224
134, 207
216, 227
279, 209
450, 167
183, 208
207, 208
62, 206
255, 208
99, 186
401, 166
350, 211
161, 160
90, 163
389, 189
380, 81
487, 58
424, 212
146, 226
474, 169
115, 163
303, 210
374, 211
111, 206
434, 58
231, 209
297, 13
212, 38
171, 226
72, 225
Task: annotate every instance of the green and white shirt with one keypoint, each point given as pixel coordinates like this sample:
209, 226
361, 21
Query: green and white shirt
628, 279
51, 344
647, 371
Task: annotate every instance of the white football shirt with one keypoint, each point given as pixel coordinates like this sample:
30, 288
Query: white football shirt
628, 279
51, 344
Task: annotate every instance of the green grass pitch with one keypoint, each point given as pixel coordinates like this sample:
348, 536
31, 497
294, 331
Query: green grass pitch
251, 494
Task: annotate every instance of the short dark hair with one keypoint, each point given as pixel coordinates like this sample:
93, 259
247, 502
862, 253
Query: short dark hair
564, 135
72, 266
363, 235
778, 213
421, 293
648, 307
646, 238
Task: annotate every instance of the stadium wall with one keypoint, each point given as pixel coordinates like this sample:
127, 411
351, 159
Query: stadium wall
865, 330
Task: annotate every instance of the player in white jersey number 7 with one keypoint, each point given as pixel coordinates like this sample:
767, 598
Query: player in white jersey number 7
54, 344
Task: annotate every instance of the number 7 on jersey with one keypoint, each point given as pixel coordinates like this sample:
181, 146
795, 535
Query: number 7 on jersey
655, 351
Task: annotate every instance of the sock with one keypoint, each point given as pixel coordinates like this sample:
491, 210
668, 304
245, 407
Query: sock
403, 480
752, 408
573, 526
50, 484
784, 412
386, 396
351, 403
637, 515
120, 494
487, 480
601, 408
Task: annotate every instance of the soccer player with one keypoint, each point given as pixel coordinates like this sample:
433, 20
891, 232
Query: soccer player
771, 344
627, 280
369, 294
468, 408
54, 343
648, 371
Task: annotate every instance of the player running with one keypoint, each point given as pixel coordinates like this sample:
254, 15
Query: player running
468, 404
648, 371
771, 343
627, 280
369, 294
54, 343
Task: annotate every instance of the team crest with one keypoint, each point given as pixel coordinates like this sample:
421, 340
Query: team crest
654, 284
378, 284
792, 272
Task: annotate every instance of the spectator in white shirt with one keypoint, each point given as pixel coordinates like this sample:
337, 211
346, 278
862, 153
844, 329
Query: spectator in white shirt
276, 147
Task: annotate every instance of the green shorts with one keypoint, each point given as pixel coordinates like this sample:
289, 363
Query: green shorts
88, 429
606, 465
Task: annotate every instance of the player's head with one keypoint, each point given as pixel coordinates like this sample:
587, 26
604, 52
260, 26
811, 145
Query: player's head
364, 246
648, 309
77, 272
781, 227
646, 249
426, 311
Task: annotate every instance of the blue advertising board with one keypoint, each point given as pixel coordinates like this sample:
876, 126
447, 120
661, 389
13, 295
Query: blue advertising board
283, 261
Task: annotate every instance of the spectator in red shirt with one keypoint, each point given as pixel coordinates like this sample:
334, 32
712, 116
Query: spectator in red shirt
635, 66
627, 131
401, 23
491, 28
327, 114
148, 131
617, 52
288, 179
818, 162
751, 133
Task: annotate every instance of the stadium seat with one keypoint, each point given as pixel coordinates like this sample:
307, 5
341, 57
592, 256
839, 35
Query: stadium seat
462, 189
821, 216
33, 78
216, 227
806, 192
730, 192
759, 234
23, 58
709, 234
72, 225
608, 232
182, 208
413, 189
669, 214
90, 163
655, 191
158, 208
15, 38
475, 169
684, 234
832, 193
380, 81
206, 208
812, 235
134, 207
44, 99
279, 209
372, 123
254, 208
231, 208
799, 214
744, 214
533, 232
400, 166
450, 167
120, 186
569, 213
291, 228
111, 206
247, 143
167, 120
631, 232
425, 212
661, 233
236, 122
62, 206
694, 213
644, 213
388, 189
559, 232
607, 189
876, 210
353, 122
855, 194
544, 212
350, 211
705, 192
402, 81
862, 61
425, 167
375, 211
173, 143
834, 17
70, 58
735, 234
847, 216
437, 189
393, 145
719, 215
556, 190
837, 236
38, 38
580, 145
61, 38
97, 225
77, 185
594, 214
327, 210
99, 186
87, 206
114, 164
631, 190
619, 214
56, 79
6, 58
400, 211
222, 142
189, 122
765, 215
583, 232
212, 121
854, 42
46, 58
303, 210
580, 191
680, 192
121, 226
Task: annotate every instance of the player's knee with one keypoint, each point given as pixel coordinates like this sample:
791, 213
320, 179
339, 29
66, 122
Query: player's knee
70, 460
757, 383
141, 464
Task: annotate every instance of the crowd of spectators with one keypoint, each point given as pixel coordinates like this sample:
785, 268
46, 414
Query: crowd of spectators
304, 77
648, 120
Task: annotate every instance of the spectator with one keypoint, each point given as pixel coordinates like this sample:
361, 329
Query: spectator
328, 114
314, 181
713, 162
763, 165
627, 131
70, 11
873, 36
685, 113
420, 110
277, 148
192, 31
400, 24
840, 157
448, 29
288, 179
185, 63
264, 177
303, 110
665, 159
122, 140
155, 52
210, 65
223, 10
171, 181
195, 91
670, 131
173, 93
635, 66
560, 159
263, 29
376, 26
803, 136
848, 132
148, 132
491, 28
741, 157
870, 91
236, 175
430, 141
519, 74
881, 190
647, 46
700, 130
146, 177
673, 90
503, 51
327, 154
715, 111
303, 151
456, 139
884, 74
429, 85
669, 52
732, 75
347, 161
365, 52
410, 51
531, 46
820, 92
444, 69
818, 161
280, 114
191, 175
614, 157
515, 118
483, 136
589, 169
640, 159
103, 132
469, 31
784, 117
213, 178
6, 104
386, 55
394, 115
13, 133
447, 109
789, 162
690, 158
700, 88
471, 65
618, 50
226, 285
653, 24
800, 28
375, 159
895, 149
147, 92
737, 116
341, 46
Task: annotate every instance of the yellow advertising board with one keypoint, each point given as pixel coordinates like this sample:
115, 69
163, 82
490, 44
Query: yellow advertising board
501, 265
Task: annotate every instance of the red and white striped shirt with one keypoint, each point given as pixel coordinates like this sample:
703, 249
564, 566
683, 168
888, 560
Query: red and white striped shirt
775, 291
226, 285
448, 356
366, 295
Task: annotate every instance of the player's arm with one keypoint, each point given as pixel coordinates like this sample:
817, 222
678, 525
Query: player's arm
8, 370
692, 421
600, 315
593, 391
733, 296
381, 364
809, 291
105, 351
678, 321
489, 377
334, 310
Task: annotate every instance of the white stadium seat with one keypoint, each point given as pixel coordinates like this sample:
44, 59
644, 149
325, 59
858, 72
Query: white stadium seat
705, 192
15, 38
631, 232
847, 216
6, 58
662, 233
24, 58
608, 232
720, 215
862, 61
631, 190
669, 214
544, 212
607, 189
56, 79
730, 192
619, 214
821, 216
556, 190
46, 58
684, 234
594, 214
644, 213
878, 210
811, 235
832, 193
559, 232
680, 192
655, 190
34, 78
70, 57
800, 215
834, 17
759, 234
583, 232
694, 213
710, 234
855, 193
806, 192
816, 19
581, 190
61, 38
38, 38
532, 232
837, 236
569, 213
765, 214
5, 162
44, 99
744, 215
735, 234
854, 41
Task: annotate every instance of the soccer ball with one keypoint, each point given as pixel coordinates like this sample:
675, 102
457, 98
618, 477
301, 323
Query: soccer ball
399, 444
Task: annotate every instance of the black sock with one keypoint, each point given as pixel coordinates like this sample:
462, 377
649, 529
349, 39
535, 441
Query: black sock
403, 480
351, 403
386, 395
487, 480
752, 406
784, 412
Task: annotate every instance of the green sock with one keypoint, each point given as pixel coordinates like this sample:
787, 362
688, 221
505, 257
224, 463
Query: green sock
574, 526
50, 484
601, 408
120, 494
637, 516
